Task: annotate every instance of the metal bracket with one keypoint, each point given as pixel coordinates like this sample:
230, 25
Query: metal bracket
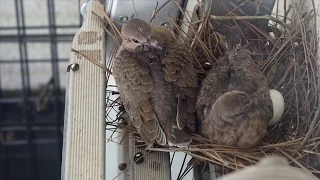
83, 154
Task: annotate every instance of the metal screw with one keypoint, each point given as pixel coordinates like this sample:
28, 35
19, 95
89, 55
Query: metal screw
122, 166
121, 108
123, 121
123, 19
138, 158
165, 24
114, 92
73, 67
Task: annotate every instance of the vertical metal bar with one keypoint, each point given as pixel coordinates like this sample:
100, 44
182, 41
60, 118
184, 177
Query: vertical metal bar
54, 53
79, 11
0, 82
24, 53
56, 82
4, 162
32, 169
27, 93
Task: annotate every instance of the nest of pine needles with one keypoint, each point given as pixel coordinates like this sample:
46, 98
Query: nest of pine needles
286, 52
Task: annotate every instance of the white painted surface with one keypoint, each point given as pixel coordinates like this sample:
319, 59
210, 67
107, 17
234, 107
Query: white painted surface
84, 133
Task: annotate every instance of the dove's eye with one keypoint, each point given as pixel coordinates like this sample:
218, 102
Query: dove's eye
134, 40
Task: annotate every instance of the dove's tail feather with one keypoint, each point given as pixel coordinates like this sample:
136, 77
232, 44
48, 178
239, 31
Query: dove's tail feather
179, 138
181, 114
145, 139
161, 137
185, 114
191, 123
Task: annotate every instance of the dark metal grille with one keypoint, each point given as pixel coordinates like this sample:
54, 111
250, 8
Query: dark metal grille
31, 119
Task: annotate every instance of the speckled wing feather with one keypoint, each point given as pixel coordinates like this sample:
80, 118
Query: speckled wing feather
179, 70
134, 84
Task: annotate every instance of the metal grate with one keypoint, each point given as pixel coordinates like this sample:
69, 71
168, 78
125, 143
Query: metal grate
31, 118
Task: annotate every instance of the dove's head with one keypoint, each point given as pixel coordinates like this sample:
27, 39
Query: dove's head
136, 33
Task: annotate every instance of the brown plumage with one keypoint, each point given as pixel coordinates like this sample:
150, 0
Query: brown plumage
234, 104
156, 82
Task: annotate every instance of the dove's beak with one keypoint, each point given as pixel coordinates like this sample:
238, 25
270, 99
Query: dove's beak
154, 43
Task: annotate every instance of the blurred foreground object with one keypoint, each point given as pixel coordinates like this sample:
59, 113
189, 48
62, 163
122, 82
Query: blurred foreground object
272, 167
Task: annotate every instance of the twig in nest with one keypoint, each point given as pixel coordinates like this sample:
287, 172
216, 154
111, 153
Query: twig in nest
103, 67
105, 29
265, 17
114, 27
154, 12
164, 4
134, 8
101, 18
313, 123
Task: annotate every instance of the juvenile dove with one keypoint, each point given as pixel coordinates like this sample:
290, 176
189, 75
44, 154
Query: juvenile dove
234, 103
157, 83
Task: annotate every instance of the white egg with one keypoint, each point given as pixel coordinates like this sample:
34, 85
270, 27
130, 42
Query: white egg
278, 106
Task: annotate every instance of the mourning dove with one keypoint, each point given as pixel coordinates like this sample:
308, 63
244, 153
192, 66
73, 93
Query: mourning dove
234, 103
157, 83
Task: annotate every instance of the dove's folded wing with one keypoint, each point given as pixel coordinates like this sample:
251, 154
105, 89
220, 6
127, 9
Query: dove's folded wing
134, 84
179, 70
